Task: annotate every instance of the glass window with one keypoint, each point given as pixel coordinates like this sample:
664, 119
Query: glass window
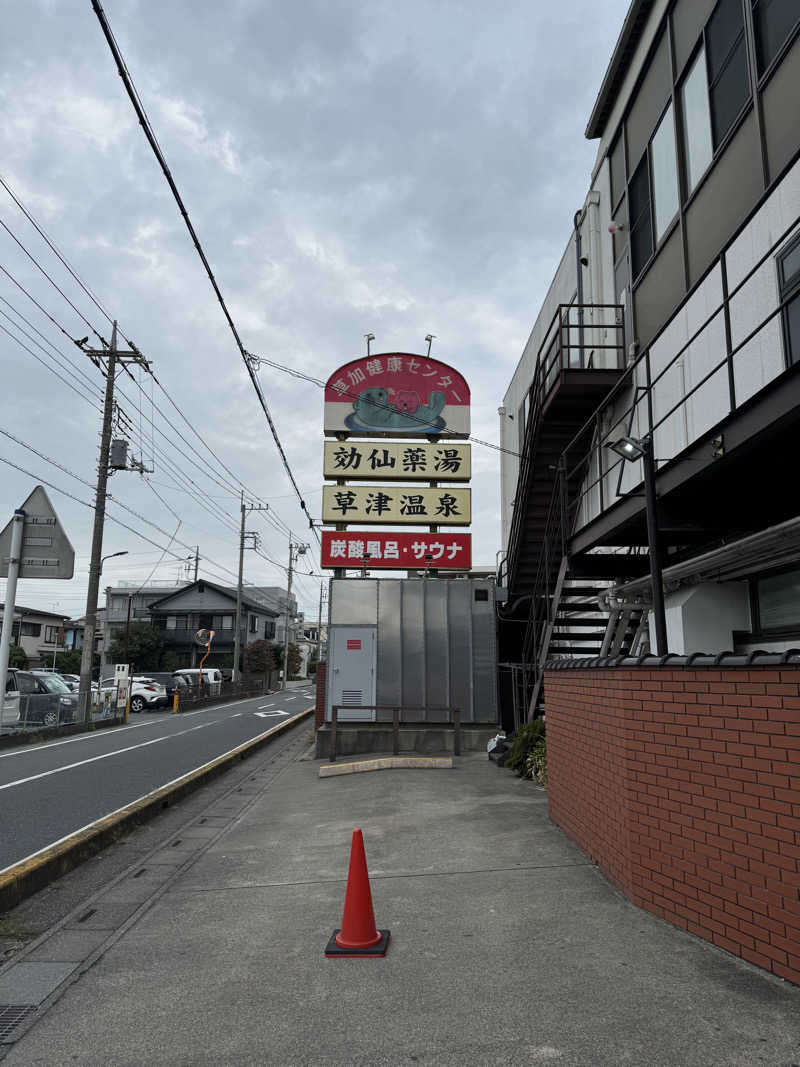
696, 121
665, 173
774, 21
728, 85
55, 684
253, 624
171, 622
51, 635
641, 219
779, 601
617, 168
789, 275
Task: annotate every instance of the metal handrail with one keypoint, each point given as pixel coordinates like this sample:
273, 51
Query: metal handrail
645, 359
455, 722
545, 380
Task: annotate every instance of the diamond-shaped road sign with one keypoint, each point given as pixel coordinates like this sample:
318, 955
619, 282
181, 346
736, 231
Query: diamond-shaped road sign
46, 551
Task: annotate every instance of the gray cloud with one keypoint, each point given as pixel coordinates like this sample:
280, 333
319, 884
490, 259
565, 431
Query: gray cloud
349, 167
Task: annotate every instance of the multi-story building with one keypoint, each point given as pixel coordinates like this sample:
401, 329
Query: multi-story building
130, 602
40, 634
673, 320
276, 598
203, 605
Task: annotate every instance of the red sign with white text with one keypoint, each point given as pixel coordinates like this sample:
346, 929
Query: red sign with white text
396, 394
398, 551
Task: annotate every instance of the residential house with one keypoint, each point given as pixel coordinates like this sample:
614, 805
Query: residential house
38, 633
203, 605
74, 631
130, 602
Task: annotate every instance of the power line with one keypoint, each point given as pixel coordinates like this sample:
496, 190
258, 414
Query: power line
377, 404
156, 148
66, 382
153, 377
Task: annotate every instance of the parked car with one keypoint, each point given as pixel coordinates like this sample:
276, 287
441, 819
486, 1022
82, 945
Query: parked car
72, 681
145, 692
212, 677
44, 699
171, 682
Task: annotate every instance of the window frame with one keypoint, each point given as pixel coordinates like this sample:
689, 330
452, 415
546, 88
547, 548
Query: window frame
762, 77
757, 631
647, 156
787, 294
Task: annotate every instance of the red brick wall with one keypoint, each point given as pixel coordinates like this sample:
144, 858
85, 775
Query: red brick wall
683, 784
319, 711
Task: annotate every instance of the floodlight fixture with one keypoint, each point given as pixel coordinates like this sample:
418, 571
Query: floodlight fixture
629, 447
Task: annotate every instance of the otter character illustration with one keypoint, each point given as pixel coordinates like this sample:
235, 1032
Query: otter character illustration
373, 409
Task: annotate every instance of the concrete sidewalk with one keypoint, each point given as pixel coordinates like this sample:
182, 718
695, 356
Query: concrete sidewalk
507, 947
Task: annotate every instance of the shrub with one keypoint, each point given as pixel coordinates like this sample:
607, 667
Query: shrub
536, 763
525, 740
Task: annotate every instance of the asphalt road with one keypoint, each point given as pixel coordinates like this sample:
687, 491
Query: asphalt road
49, 791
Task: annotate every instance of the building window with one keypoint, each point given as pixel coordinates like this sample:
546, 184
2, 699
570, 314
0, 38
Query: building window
269, 629
696, 121
774, 20
665, 173
778, 600
31, 629
51, 635
223, 622
641, 217
789, 278
253, 624
728, 82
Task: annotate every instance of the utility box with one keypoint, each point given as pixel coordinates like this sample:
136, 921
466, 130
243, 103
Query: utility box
423, 645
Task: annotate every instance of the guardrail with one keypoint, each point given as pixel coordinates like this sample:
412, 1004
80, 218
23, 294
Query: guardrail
454, 713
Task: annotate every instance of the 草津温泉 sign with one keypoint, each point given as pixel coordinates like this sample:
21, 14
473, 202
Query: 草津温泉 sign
401, 505
400, 460
396, 394
439, 551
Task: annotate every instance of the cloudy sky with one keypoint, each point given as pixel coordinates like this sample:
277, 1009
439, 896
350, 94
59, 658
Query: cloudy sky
349, 167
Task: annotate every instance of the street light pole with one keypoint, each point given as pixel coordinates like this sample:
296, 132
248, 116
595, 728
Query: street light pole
654, 544
301, 550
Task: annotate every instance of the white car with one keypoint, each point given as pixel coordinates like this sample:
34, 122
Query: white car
146, 693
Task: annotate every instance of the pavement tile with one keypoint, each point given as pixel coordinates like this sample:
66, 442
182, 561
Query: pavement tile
68, 946
31, 983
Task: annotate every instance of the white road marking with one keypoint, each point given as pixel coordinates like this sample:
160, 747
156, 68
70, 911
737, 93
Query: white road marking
26, 750
291, 698
104, 755
262, 706
269, 714
144, 796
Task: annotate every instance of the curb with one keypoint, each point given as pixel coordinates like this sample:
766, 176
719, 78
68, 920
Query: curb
385, 763
36, 871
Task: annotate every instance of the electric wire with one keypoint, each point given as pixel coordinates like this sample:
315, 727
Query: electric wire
66, 381
153, 376
156, 148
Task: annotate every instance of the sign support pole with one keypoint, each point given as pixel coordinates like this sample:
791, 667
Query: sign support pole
11, 599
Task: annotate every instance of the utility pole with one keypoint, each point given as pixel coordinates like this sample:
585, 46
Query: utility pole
237, 638
95, 565
301, 551
319, 620
196, 561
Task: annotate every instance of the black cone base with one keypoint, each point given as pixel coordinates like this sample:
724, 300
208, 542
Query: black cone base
380, 948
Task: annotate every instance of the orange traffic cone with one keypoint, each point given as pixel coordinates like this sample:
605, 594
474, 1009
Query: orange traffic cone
358, 936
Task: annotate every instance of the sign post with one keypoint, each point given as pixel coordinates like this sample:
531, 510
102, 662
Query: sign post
32, 545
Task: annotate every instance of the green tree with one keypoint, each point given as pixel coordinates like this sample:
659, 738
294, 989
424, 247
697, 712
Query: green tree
295, 659
17, 657
170, 661
145, 647
69, 662
259, 658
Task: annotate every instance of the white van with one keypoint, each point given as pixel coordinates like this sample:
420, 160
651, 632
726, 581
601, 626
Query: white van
212, 677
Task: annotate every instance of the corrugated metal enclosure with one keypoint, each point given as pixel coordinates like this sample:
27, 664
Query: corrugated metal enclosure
434, 646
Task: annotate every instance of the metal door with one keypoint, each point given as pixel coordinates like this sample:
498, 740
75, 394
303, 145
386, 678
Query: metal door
351, 659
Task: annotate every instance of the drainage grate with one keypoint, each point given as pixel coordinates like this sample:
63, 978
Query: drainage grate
11, 1015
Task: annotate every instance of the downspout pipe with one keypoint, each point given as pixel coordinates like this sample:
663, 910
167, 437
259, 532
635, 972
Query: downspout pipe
578, 222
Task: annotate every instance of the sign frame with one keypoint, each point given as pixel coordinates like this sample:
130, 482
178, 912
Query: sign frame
396, 505
375, 543
46, 551
406, 461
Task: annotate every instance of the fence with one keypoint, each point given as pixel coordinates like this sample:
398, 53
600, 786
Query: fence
454, 713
